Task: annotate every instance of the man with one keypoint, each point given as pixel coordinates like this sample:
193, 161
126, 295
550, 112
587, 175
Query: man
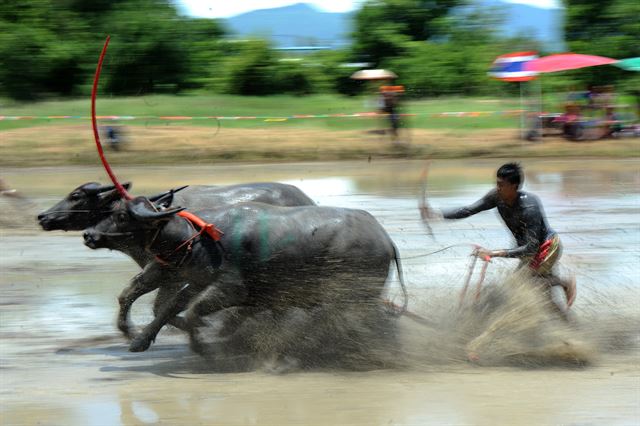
538, 246
390, 101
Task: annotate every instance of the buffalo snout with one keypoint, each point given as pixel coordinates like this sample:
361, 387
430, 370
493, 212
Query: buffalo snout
92, 239
44, 223
51, 221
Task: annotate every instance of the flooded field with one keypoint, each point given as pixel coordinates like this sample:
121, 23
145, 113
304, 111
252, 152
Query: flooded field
64, 362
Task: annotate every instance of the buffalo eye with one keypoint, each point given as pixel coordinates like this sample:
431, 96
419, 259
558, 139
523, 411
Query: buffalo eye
75, 196
122, 218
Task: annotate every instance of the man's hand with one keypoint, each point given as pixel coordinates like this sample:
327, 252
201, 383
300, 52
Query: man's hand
483, 253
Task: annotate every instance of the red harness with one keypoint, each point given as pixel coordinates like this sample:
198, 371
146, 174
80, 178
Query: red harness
209, 228
196, 222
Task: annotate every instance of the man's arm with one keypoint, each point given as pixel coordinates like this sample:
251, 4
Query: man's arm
487, 202
528, 249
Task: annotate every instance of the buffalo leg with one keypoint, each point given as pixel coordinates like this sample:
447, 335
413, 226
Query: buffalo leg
130, 294
164, 294
144, 282
228, 291
167, 311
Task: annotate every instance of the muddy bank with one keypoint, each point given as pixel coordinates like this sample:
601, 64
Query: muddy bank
173, 144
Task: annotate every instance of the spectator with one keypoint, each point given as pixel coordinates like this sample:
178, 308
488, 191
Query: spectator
611, 124
390, 97
571, 121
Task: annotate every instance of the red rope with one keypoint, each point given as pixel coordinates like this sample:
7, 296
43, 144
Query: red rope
210, 229
123, 192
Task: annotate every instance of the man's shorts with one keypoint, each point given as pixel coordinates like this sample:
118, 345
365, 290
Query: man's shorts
548, 254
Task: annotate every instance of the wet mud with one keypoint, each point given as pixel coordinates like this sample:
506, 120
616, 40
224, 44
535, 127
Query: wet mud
64, 362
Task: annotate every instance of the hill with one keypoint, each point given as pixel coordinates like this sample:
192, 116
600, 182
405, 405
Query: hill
296, 25
304, 25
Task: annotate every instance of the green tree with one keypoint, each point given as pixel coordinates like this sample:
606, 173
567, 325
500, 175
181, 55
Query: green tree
382, 28
252, 70
607, 28
452, 64
42, 48
51, 47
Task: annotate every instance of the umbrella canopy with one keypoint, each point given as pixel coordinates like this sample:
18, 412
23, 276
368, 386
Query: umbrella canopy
630, 64
377, 74
566, 61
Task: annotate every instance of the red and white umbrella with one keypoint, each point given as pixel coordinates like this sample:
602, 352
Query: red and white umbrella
566, 61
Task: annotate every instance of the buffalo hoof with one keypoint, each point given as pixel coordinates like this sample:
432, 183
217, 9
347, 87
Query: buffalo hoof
139, 344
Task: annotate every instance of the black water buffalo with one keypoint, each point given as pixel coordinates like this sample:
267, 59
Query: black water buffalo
269, 257
92, 202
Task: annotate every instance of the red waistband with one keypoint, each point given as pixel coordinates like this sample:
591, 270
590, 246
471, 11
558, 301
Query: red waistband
542, 253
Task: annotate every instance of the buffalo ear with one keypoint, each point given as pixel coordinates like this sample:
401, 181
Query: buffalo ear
143, 210
106, 188
108, 197
90, 188
108, 194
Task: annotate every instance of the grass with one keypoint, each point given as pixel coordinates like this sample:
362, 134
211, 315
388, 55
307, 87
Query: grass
148, 107
43, 142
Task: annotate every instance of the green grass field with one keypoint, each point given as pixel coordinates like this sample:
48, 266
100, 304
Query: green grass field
269, 110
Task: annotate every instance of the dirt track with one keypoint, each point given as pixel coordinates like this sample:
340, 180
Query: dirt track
174, 144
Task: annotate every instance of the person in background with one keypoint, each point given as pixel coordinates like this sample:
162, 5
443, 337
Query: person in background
611, 123
571, 121
389, 106
537, 245
6, 191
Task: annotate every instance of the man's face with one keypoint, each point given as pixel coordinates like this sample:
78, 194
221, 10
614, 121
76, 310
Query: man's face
506, 191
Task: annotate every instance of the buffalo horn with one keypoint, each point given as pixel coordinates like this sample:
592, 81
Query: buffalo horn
158, 198
142, 209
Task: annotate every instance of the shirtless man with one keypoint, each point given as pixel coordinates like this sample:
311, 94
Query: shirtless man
537, 245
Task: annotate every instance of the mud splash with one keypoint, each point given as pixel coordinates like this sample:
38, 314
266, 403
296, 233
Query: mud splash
513, 322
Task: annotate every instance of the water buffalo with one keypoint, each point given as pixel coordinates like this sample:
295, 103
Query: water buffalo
91, 202
268, 257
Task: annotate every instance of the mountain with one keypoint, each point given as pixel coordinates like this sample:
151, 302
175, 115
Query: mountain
304, 25
544, 25
296, 25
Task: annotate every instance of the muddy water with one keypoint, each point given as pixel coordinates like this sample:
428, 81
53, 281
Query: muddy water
63, 362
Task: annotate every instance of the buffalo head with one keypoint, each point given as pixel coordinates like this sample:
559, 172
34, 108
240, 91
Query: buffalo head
83, 207
133, 222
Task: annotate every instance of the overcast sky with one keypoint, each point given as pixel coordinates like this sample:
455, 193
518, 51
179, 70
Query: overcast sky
226, 8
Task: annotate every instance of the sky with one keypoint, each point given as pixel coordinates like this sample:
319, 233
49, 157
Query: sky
227, 8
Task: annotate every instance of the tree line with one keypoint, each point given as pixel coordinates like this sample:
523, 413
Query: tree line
439, 47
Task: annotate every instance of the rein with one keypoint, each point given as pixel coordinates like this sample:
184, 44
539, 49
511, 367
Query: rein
67, 211
402, 310
208, 228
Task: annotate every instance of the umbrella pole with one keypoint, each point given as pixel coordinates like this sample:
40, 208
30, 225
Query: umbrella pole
522, 124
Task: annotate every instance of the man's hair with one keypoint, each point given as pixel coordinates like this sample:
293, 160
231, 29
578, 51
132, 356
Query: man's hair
512, 173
